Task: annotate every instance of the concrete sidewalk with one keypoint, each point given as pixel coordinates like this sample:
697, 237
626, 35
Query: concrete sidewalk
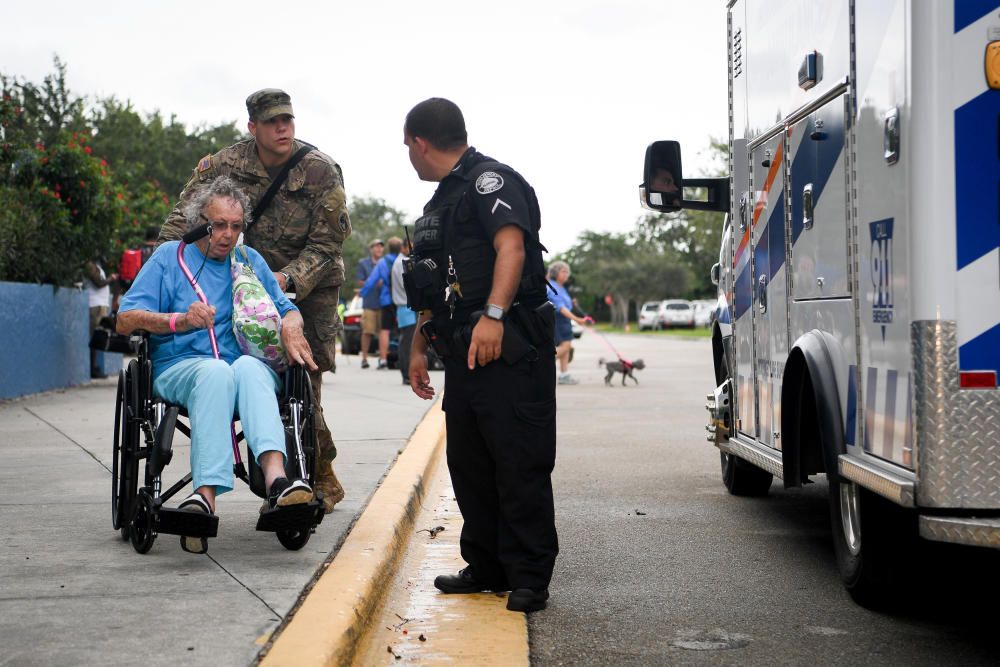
71, 592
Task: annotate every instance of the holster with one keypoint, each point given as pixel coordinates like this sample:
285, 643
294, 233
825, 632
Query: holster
538, 325
436, 339
514, 346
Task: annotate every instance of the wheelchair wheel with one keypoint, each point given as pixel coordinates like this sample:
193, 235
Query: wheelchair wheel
125, 465
298, 387
293, 540
141, 529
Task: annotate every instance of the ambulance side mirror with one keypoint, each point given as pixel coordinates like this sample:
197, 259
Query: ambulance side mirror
662, 177
664, 187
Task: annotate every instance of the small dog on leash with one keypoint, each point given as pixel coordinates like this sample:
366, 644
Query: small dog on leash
621, 366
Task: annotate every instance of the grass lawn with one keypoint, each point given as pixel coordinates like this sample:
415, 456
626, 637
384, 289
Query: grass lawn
697, 332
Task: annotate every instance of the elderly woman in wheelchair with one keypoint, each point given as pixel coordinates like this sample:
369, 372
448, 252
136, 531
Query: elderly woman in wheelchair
198, 365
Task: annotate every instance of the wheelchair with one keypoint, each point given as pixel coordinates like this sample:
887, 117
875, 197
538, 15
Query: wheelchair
144, 432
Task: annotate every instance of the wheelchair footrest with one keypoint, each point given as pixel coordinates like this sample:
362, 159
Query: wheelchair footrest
184, 522
293, 517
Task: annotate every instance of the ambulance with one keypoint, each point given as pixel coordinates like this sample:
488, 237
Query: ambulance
858, 328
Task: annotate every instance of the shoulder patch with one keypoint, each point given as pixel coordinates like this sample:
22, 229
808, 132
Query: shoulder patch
488, 181
205, 163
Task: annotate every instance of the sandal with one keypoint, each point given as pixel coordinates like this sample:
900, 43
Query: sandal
195, 503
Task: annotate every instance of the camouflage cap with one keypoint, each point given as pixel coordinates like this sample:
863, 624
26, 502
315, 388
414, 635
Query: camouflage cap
267, 103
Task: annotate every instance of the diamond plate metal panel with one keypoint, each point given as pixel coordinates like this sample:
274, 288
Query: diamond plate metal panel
957, 431
885, 483
976, 532
769, 460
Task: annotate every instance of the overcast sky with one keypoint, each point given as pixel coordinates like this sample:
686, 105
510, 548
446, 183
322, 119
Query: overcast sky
567, 93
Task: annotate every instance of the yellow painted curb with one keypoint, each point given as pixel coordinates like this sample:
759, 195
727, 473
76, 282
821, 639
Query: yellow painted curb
332, 618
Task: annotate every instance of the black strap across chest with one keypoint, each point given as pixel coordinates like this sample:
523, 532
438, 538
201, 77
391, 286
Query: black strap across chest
272, 190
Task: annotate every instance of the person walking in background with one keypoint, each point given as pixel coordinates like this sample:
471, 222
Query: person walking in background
298, 224
406, 317
371, 310
559, 273
381, 280
99, 300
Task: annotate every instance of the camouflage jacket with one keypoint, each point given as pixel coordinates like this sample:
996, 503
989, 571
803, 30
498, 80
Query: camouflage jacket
302, 232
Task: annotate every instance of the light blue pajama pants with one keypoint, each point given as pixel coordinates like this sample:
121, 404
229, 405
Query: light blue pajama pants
210, 389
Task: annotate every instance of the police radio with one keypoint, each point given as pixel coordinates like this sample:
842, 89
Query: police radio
422, 279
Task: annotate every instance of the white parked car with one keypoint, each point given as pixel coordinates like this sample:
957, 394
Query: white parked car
676, 313
703, 311
649, 315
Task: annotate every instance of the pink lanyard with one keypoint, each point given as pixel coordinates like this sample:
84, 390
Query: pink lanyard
211, 334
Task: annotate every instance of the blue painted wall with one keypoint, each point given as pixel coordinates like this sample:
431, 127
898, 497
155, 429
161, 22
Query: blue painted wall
43, 338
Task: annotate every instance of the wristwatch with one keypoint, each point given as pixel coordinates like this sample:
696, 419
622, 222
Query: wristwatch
494, 312
288, 281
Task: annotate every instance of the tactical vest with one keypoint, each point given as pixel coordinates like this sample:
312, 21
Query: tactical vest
445, 251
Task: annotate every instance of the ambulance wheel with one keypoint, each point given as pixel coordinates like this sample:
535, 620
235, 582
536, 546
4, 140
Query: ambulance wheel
741, 477
293, 540
871, 537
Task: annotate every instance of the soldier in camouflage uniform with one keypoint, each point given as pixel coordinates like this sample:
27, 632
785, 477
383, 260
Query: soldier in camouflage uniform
300, 235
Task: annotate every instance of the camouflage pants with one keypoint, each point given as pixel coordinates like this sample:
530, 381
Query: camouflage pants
319, 311
324, 439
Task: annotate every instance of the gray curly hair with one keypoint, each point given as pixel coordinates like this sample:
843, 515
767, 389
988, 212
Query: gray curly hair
555, 268
223, 187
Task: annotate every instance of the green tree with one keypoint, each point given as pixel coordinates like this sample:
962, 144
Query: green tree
40, 114
694, 235
371, 218
68, 208
625, 267
76, 183
150, 149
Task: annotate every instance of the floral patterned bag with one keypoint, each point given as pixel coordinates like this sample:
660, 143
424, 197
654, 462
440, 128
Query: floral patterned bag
256, 321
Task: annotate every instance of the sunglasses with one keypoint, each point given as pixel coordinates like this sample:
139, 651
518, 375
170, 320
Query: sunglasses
235, 227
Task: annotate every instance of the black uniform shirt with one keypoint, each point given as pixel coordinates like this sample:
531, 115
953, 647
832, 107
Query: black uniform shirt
494, 198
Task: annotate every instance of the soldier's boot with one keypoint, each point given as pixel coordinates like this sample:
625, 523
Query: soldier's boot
327, 482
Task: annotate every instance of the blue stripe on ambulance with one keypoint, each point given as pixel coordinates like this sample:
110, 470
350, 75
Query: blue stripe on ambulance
970, 11
812, 165
977, 177
977, 188
741, 292
776, 239
887, 434
851, 418
980, 353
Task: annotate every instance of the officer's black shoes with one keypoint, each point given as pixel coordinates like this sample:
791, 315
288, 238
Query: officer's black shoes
527, 600
463, 582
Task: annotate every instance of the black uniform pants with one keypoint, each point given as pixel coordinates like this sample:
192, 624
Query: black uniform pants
501, 435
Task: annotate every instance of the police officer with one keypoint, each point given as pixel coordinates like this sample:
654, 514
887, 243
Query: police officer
300, 234
477, 277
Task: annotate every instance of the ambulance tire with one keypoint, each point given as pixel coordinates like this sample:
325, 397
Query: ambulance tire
741, 478
872, 538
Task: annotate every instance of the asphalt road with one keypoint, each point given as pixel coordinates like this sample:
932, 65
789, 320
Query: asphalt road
660, 565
